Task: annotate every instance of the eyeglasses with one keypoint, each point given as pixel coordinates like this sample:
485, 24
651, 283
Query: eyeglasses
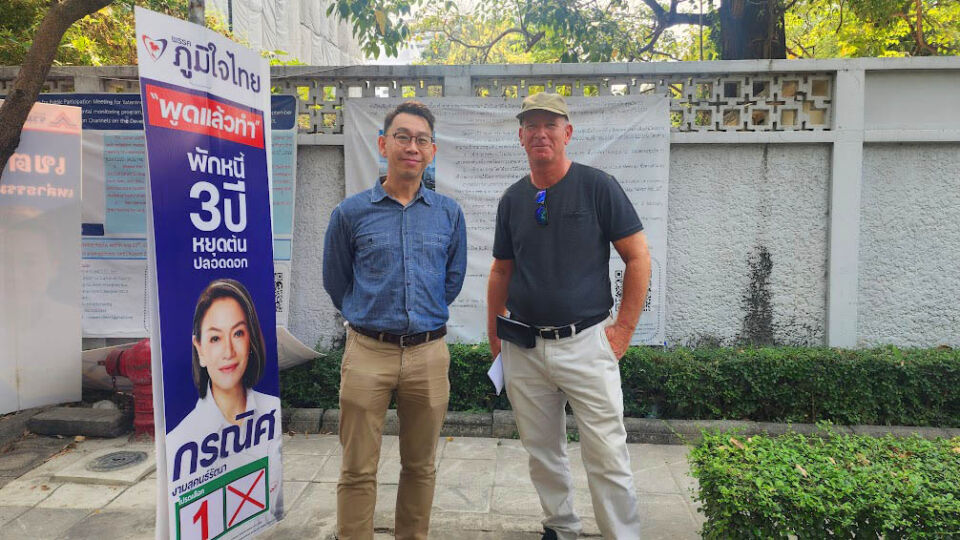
404, 139
541, 212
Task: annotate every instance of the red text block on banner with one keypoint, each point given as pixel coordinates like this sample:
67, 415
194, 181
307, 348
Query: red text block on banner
171, 109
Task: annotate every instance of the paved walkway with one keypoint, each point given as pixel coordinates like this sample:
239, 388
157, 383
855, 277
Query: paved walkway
483, 491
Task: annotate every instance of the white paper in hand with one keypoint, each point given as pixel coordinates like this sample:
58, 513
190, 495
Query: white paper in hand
496, 374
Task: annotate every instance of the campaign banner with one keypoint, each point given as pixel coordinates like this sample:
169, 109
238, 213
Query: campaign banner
206, 116
39, 256
479, 157
113, 267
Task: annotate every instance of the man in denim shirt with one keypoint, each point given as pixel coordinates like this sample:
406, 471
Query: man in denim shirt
394, 259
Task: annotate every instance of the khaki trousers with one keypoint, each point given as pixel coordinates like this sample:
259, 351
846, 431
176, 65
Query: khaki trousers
370, 372
583, 371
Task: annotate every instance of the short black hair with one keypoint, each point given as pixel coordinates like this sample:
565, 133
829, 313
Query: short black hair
256, 363
410, 107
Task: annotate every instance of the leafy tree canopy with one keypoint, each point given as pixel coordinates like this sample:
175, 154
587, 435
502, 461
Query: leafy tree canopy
508, 31
102, 38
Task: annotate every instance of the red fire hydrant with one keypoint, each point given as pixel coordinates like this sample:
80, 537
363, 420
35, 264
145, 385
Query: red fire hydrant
134, 364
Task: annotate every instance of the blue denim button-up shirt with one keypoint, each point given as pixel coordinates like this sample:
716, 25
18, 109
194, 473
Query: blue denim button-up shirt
395, 268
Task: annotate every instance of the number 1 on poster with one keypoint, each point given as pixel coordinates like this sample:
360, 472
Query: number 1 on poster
204, 521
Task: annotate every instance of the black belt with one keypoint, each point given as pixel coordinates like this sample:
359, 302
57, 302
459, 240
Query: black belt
560, 332
405, 340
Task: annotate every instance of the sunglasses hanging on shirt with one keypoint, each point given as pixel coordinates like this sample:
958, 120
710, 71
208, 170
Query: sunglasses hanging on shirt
541, 212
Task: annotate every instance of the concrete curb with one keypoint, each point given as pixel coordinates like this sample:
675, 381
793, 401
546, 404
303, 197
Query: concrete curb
501, 424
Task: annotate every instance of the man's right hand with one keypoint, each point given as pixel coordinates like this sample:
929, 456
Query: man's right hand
494, 347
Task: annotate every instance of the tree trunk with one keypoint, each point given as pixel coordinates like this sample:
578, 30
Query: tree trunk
751, 29
36, 65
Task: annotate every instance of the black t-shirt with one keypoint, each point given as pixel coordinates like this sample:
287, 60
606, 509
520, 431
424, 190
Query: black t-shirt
561, 270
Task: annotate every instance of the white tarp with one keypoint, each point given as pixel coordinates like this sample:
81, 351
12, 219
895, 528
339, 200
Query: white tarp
39, 257
479, 156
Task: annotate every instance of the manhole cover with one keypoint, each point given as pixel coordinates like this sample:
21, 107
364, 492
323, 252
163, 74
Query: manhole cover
116, 460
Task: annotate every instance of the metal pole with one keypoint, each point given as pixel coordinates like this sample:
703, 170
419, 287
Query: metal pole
197, 12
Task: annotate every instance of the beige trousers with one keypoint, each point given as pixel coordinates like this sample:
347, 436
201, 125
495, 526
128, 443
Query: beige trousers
583, 371
370, 372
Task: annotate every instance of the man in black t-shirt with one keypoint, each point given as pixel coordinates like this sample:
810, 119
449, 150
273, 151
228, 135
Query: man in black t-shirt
551, 272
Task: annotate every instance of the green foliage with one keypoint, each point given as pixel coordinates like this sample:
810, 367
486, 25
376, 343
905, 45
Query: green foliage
886, 386
470, 388
505, 31
102, 38
818, 29
842, 486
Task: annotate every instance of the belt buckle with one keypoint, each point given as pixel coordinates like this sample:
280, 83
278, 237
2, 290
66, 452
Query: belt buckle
402, 340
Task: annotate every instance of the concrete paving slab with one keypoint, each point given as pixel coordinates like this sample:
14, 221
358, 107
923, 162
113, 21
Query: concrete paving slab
470, 448
487, 499
8, 513
450, 525
389, 447
80, 473
312, 516
386, 503
41, 523
26, 492
330, 472
666, 517
463, 498
655, 480
140, 496
302, 467
292, 492
15, 461
28, 453
81, 496
466, 472
127, 524
681, 475
516, 501
512, 469
388, 472
317, 445
14, 425
75, 451
646, 455
577, 469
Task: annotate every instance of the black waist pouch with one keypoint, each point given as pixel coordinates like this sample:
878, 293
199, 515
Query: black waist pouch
521, 335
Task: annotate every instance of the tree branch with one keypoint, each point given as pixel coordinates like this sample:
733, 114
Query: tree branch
673, 19
36, 65
668, 55
658, 10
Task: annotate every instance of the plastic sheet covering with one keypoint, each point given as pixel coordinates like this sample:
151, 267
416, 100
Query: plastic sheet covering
40, 261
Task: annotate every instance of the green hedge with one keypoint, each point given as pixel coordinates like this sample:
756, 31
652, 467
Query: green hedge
884, 386
837, 486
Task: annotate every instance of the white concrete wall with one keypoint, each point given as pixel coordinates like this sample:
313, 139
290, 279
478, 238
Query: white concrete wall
729, 203
320, 187
858, 219
910, 245
726, 203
